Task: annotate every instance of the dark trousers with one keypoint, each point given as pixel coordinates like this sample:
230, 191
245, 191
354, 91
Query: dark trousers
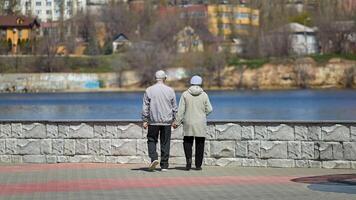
165, 141
199, 149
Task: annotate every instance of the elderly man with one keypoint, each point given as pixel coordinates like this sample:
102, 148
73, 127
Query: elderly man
158, 113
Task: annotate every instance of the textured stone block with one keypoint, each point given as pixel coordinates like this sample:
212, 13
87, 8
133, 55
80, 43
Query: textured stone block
10, 146
5, 130
273, 149
353, 133
142, 147
130, 159
123, 147
283, 163
280, 133
63, 130
81, 146
246, 162
353, 164
69, 147
209, 161
211, 132
62, 159
229, 162
2, 146
46, 146
34, 130
247, 133
302, 164
254, 149
177, 148
111, 159
221, 149
51, 159
87, 159
294, 150
307, 150
93, 146
228, 132
111, 131
5, 159
325, 151
350, 150
16, 159
338, 151
261, 133
58, 146
336, 164
99, 130
130, 131
83, 130
52, 130
34, 159
241, 149
28, 147
315, 164
178, 160
307, 133
105, 147
336, 133
177, 133
16, 130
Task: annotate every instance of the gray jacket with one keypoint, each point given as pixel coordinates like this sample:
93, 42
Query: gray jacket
194, 106
159, 105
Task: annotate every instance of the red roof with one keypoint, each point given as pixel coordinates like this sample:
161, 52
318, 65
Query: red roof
17, 21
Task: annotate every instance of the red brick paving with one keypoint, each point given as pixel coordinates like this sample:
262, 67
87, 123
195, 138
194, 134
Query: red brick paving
115, 184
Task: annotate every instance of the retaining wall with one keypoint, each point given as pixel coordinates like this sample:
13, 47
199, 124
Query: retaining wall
242, 143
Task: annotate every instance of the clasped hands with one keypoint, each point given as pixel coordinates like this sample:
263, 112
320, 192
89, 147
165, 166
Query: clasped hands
145, 125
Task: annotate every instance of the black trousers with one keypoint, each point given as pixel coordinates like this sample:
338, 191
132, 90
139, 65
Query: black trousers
165, 141
199, 149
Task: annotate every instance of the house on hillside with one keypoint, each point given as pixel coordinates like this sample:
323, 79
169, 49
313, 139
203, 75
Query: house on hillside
18, 31
120, 43
292, 38
188, 41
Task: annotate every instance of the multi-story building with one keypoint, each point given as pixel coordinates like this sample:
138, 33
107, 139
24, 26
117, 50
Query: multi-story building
18, 29
228, 19
52, 10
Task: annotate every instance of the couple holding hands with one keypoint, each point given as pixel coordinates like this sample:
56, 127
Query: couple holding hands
160, 112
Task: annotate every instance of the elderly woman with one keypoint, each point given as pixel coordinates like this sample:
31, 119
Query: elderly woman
194, 106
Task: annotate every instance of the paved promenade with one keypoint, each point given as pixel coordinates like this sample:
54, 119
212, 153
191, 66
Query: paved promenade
115, 181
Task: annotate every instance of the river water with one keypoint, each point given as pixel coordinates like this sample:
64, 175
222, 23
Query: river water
228, 105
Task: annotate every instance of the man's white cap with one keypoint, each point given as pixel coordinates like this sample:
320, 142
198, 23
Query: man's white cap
160, 75
196, 80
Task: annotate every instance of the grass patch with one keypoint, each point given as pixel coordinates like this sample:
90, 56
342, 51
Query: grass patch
324, 58
251, 63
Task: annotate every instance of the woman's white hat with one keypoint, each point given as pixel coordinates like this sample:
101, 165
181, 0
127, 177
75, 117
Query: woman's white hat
196, 80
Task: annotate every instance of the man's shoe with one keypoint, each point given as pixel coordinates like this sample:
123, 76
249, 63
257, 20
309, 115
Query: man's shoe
198, 168
153, 165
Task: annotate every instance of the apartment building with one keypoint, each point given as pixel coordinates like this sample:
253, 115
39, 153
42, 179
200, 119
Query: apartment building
227, 19
52, 10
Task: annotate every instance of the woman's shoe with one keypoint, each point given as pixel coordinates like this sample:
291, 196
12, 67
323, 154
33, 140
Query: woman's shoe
188, 167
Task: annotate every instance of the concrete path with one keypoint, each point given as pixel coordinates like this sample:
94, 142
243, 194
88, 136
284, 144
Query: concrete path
115, 181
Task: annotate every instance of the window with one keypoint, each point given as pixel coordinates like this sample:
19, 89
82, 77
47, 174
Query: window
2, 34
49, 3
48, 12
38, 3
20, 34
38, 12
242, 15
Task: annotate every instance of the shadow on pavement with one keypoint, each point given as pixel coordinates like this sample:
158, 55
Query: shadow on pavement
338, 183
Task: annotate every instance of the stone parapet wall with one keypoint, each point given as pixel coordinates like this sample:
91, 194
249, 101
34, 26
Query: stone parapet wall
250, 144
